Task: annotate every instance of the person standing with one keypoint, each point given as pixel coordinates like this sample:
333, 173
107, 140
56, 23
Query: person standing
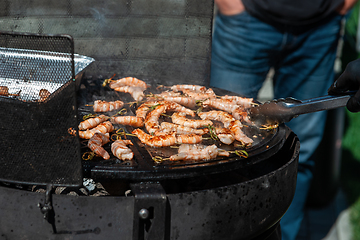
299, 40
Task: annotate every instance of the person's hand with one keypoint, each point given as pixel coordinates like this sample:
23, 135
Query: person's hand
230, 7
345, 6
349, 80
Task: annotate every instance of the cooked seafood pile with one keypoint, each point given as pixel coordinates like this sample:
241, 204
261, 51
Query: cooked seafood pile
191, 118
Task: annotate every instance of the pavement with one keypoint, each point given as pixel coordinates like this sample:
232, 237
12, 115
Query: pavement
342, 228
330, 222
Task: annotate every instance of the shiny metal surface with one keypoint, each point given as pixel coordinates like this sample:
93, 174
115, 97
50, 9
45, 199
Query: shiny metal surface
36, 68
283, 110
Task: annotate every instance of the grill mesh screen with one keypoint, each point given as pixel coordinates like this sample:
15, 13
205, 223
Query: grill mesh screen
37, 107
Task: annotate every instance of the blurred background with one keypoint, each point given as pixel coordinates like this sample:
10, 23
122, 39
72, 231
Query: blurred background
333, 208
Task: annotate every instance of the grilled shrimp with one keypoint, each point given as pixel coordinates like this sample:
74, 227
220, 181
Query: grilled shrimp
92, 122
146, 107
179, 118
121, 151
242, 114
184, 101
235, 128
96, 142
244, 102
225, 135
167, 127
103, 106
4, 91
197, 152
86, 134
155, 141
194, 88
152, 119
168, 94
173, 106
104, 127
128, 120
128, 81
208, 94
215, 115
237, 111
143, 109
221, 104
188, 139
137, 93
43, 94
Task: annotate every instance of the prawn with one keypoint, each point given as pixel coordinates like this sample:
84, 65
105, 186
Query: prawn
197, 152
179, 118
208, 94
194, 88
104, 127
128, 81
152, 119
92, 122
103, 106
225, 135
143, 109
242, 101
221, 104
215, 115
43, 94
235, 128
121, 151
168, 94
96, 142
242, 114
167, 127
146, 107
184, 101
155, 141
188, 139
173, 106
137, 93
4, 91
128, 120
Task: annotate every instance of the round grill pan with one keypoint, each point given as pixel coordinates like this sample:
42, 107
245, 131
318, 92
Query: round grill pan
143, 167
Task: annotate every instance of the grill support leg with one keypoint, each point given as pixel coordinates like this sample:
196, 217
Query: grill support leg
149, 211
47, 208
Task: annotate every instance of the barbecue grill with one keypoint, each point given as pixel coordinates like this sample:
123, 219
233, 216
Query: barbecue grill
225, 198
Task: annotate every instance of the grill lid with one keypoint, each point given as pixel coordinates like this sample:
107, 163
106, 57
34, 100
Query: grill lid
38, 105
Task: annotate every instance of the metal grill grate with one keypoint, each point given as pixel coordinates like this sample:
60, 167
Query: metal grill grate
38, 106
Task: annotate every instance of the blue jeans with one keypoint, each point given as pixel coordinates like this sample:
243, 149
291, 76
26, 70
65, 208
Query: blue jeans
245, 48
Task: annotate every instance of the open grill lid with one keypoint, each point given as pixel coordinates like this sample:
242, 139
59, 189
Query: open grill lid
37, 106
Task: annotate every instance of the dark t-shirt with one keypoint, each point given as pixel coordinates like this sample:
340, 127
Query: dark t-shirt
291, 12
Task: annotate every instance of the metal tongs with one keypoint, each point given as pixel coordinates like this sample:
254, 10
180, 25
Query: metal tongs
283, 110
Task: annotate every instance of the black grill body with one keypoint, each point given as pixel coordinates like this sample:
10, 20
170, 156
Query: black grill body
247, 203
37, 110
